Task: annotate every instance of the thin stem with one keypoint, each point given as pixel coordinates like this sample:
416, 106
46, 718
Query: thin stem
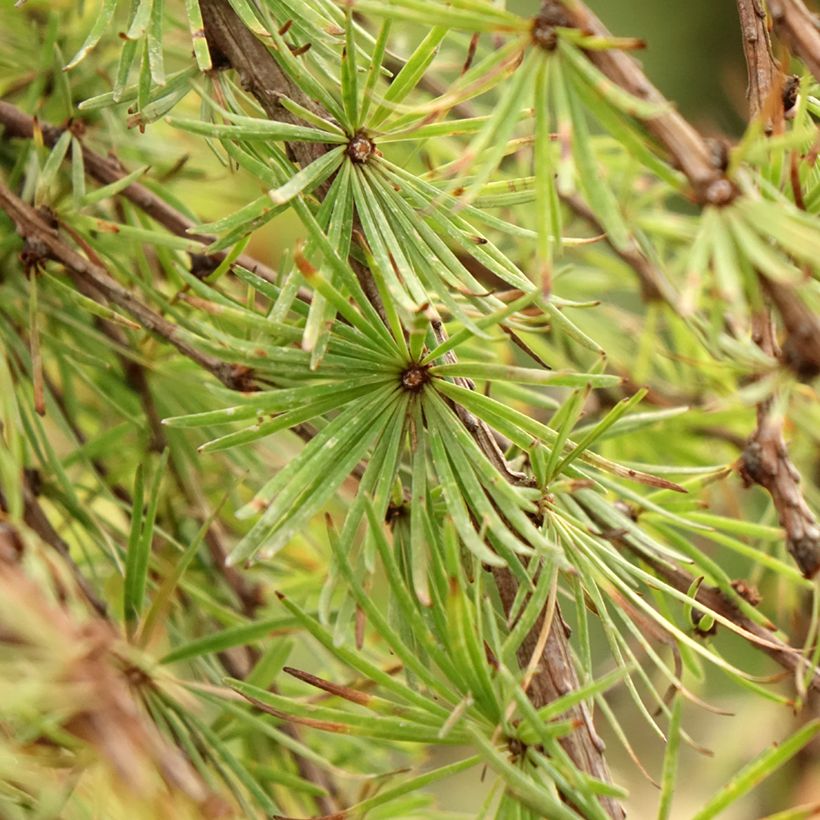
46, 241
654, 285
716, 600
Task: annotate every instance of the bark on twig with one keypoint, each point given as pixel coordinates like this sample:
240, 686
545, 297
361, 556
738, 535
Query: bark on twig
801, 348
785, 655
765, 460
48, 242
555, 677
764, 76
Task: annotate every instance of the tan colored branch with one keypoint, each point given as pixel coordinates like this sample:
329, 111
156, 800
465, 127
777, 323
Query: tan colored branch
766, 462
556, 676
97, 283
764, 76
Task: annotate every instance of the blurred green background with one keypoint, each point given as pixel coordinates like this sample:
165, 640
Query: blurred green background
693, 54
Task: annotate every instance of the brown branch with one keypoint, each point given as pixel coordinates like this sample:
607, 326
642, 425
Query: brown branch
764, 74
721, 603
683, 142
106, 170
799, 29
715, 599
95, 282
260, 74
46, 241
555, 677
801, 348
765, 460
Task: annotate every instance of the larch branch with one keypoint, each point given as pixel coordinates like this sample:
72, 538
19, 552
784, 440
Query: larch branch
262, 77
765, 460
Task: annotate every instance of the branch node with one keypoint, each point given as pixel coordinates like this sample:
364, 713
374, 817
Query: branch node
414, 378
360, 148
550, 16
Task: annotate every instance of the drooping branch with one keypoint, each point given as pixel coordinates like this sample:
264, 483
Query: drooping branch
800, 351
94, 280
696, 160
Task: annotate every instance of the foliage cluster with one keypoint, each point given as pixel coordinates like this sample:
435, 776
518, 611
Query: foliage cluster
458, 475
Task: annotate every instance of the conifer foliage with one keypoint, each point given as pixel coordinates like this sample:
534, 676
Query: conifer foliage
398, 393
